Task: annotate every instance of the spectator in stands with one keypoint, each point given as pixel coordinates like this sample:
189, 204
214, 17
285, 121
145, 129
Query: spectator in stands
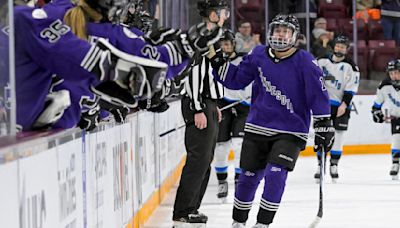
320, 23
323, 43
301, 42
390, 19
298, 9
367, 4
245, 41
365, 9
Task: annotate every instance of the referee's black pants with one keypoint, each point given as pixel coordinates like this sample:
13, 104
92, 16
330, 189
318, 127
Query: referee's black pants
200, 145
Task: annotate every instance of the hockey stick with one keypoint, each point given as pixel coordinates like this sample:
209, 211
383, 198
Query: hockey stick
191, 123
321, 192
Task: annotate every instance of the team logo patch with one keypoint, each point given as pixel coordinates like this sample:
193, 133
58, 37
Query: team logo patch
39, 14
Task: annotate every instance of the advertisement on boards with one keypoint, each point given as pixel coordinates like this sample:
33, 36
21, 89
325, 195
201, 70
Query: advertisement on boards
69, 176
9, 206
146, 154
38, 190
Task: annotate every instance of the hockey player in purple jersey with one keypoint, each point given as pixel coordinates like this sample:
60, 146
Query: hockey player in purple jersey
288, 88
46, 47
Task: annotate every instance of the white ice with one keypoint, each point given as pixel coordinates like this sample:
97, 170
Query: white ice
365, 196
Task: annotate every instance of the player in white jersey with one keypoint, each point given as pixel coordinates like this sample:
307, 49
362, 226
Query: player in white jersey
342, 78
231, 128
388, 93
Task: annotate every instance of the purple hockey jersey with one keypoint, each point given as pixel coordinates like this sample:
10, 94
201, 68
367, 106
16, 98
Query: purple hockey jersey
285, 92
44, 46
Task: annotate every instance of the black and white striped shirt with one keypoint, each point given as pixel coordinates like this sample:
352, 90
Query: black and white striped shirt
200, 84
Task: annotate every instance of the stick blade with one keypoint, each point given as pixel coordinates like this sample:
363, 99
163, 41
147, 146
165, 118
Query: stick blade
315, 223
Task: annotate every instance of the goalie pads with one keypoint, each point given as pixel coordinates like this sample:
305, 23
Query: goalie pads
56, 103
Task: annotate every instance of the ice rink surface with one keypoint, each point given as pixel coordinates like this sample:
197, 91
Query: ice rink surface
365, 196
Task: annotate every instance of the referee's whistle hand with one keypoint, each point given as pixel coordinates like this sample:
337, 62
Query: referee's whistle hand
200, 120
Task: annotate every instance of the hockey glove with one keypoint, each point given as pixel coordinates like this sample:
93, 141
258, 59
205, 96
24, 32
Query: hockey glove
156, 104
173, 87
324, 134
377, 115
197, 40
118, 111
90, 119
162, 35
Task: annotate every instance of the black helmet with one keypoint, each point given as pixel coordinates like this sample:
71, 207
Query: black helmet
393, 65
205, 6
228, 35
289, 21
341, 39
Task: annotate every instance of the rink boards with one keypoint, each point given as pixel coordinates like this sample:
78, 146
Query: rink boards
116, 176
101, 179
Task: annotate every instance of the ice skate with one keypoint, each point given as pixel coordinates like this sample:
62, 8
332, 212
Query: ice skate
259, 225
238, 225
394, 171
195, 220
223, 191
334, 173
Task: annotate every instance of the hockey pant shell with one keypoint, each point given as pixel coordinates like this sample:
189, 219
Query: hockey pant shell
200, 145
274, 185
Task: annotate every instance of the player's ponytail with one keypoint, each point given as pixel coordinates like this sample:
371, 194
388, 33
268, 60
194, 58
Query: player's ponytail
77, 18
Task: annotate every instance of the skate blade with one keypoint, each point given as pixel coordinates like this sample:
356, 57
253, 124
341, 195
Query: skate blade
317, 181
395, 177
188, 225
334, 180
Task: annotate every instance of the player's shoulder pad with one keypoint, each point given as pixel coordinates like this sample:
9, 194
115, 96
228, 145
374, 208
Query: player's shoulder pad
385, 82
307, 59
352, 64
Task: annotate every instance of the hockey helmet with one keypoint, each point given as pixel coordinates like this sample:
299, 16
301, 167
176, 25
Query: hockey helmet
341, 39
206, 6
283, 43
229, 36
394, 65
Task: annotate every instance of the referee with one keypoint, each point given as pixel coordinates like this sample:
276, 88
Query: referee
199, 110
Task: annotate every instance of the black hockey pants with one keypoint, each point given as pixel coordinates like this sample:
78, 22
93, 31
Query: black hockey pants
200, 145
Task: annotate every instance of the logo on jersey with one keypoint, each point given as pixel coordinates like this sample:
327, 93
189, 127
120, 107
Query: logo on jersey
39, 14
395, 102
6, 30
276, 92
315, 62
54, 32
321, 79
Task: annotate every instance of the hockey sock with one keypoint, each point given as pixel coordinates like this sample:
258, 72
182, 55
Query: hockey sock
395, 156
337, 147
244, 194
275, 181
